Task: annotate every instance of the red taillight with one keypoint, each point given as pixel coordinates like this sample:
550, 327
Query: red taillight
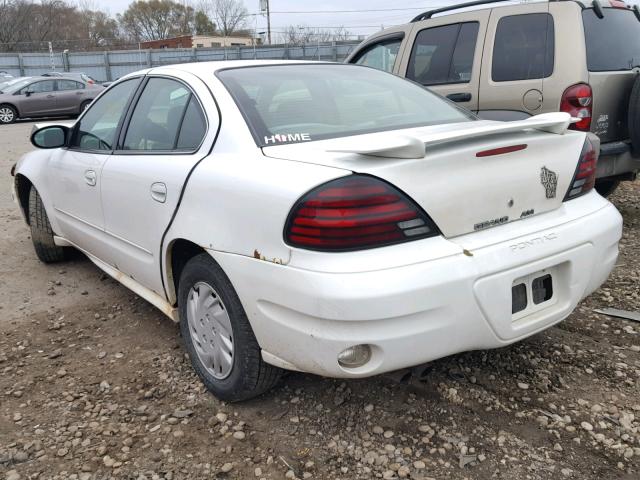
577, 101
585, 176
356, 212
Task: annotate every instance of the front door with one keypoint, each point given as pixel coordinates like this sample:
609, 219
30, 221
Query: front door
142, 181
446, 56
38, 99
76, 170
519, 55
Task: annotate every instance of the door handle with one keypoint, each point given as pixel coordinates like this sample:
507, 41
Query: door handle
51, 96
159, 192
459, 97
90, 177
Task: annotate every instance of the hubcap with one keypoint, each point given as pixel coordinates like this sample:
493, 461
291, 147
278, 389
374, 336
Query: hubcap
210, 329
6, 115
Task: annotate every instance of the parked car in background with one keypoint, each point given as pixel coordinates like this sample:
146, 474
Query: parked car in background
508, 62
33, 97
327, 218
4, 75
81, 77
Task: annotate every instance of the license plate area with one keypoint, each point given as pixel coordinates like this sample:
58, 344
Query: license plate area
532, 293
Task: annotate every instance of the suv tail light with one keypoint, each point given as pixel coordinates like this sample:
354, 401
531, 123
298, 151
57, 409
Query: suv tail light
585, 176
577, 101
353, 213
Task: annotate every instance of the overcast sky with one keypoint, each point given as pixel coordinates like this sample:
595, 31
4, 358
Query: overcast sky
330, 14
361, 22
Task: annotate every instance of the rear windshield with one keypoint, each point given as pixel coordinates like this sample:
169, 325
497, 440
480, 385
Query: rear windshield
613, 42
301, 103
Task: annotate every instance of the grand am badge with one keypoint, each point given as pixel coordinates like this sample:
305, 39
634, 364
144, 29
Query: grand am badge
549, 180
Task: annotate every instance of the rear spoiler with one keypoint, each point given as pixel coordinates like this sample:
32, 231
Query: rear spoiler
410, 146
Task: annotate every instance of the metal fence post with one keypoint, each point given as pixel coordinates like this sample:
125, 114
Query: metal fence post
65, 61
107, 67
149, 59
335, 51
21, 64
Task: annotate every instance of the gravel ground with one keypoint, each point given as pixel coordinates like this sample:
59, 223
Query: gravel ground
94, 384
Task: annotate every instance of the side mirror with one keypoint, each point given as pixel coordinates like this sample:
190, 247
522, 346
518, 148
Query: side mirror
27, 93
54, 136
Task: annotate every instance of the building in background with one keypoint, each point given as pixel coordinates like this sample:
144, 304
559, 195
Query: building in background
200, 41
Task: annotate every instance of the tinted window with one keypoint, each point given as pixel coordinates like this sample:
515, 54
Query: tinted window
69, 85
40, 87
193, 128
156, 119
381, 55
524, 47
294, 103
443, 54
97, 128
613, 42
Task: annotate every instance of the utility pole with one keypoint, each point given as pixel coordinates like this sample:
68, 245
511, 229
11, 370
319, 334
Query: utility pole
264, 7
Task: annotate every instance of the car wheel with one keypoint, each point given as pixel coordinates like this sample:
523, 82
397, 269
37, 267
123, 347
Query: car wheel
84, 105
606, 187
8, 114
41, 233
217, 334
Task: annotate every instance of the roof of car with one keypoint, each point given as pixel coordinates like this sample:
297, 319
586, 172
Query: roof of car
204, 69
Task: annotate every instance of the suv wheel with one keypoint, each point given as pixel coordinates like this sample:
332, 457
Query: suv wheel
218, 337
606, 187
8, 114
41, 233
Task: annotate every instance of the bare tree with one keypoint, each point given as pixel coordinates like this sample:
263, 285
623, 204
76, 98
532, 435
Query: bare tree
229, 16
299, 35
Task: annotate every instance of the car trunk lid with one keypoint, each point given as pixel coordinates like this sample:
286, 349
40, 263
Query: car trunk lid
472, 186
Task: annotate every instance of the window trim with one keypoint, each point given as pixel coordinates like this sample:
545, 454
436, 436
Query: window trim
455, 45
55, 86
374, 43
119, 150
553, 63
82, 87
120, 123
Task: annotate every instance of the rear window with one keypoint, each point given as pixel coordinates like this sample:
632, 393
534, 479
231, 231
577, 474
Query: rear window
301, 103
613, 42
524, 48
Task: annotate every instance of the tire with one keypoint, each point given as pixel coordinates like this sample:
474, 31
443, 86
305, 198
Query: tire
41, 233
248, 376
84, 105
606, 187
634, 116
8, 114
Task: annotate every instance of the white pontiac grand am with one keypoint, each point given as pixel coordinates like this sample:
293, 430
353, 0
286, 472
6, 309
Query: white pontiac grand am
325, 218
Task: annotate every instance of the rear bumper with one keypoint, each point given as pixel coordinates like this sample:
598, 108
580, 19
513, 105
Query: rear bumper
420, 312
616, 160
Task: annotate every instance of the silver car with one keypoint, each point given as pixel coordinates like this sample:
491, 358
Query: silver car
45, 97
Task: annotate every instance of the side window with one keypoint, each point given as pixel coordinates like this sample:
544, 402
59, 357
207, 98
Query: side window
97, 128
69, 85
524, 47
157, 116
444, 54
381, 55
194, 127
39, 87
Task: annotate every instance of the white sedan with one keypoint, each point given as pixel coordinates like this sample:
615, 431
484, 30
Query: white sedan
324, 218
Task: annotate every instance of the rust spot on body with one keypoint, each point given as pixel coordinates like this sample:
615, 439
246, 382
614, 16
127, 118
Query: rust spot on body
467, 252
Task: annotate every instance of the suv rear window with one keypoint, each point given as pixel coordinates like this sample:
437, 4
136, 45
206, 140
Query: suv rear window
443, 54
613, 42
523, 48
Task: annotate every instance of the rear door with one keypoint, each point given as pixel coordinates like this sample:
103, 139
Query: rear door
519, 54
164, 138
613, 60
445, 54
38, 99
70, 95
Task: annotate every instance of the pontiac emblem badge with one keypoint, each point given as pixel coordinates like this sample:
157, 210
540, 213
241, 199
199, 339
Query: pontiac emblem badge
549, 180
